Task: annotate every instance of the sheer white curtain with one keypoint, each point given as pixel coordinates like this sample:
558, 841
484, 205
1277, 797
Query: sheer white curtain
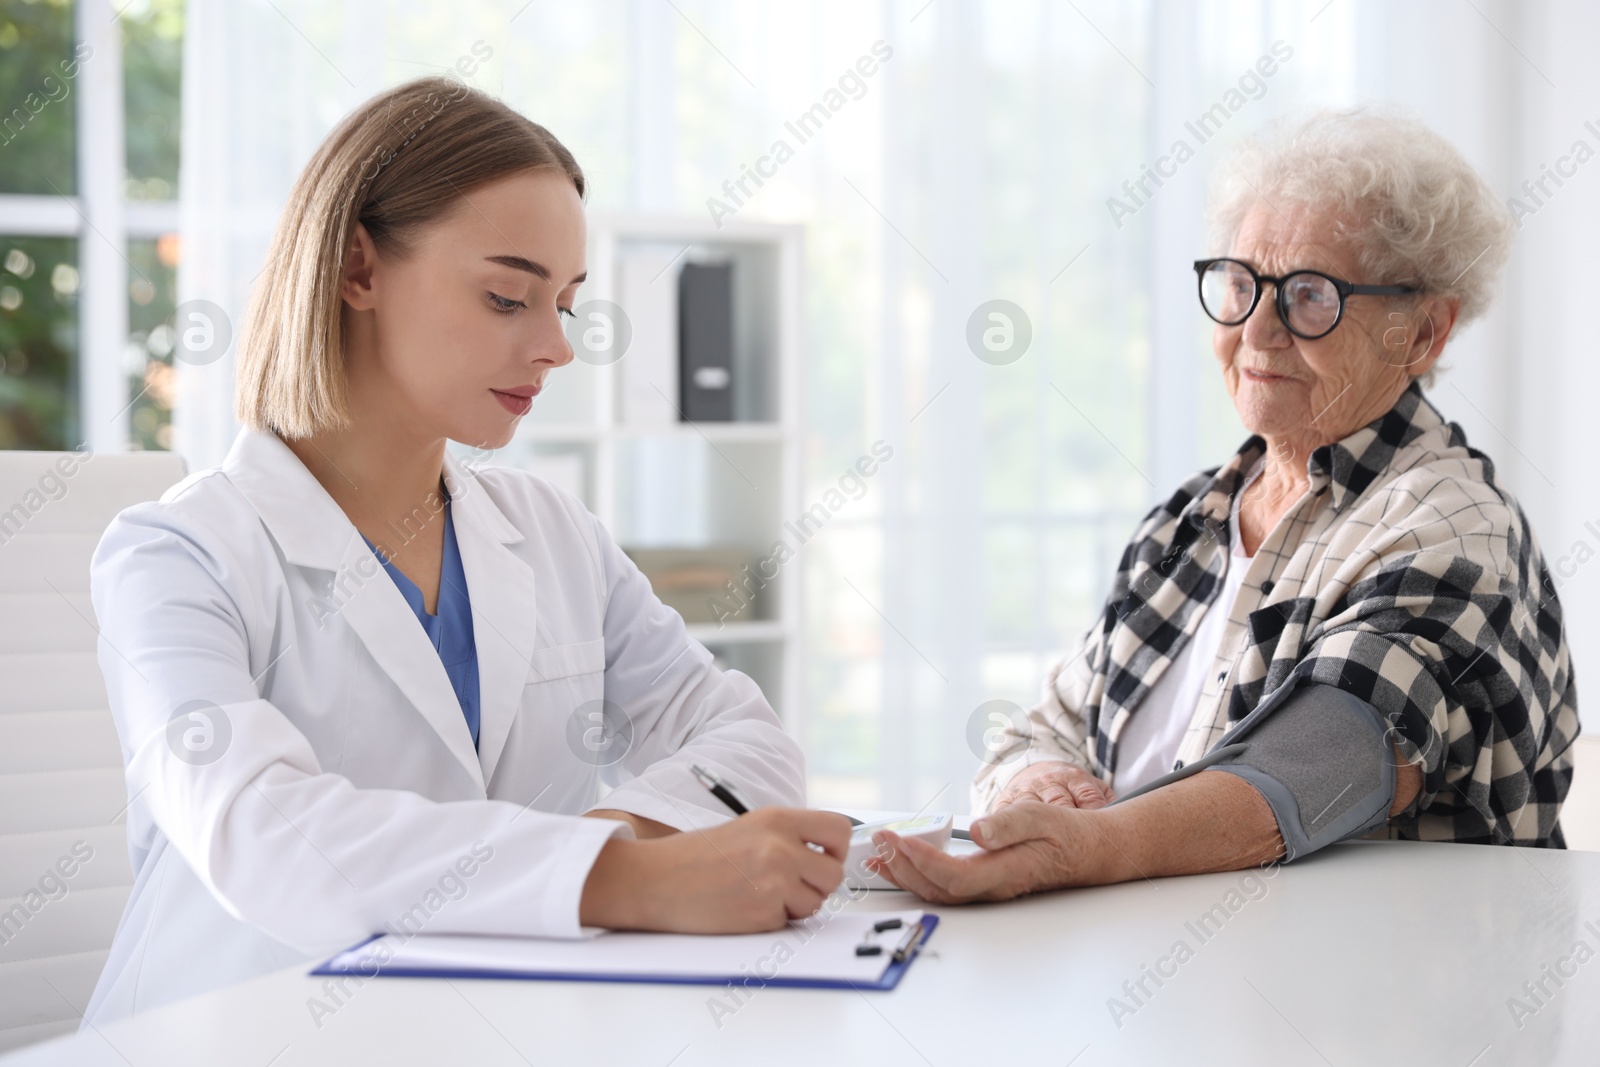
975, 163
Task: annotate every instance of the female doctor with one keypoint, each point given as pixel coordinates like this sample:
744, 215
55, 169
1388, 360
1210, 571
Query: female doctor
362, 687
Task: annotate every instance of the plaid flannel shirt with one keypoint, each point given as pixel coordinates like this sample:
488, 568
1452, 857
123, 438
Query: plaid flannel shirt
1405, 575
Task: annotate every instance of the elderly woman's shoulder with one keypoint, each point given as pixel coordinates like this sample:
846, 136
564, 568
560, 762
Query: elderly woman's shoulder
1445, 499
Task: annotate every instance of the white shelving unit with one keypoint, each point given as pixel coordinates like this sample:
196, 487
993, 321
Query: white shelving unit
707, 484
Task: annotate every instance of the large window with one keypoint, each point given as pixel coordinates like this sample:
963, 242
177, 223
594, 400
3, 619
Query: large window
89, 134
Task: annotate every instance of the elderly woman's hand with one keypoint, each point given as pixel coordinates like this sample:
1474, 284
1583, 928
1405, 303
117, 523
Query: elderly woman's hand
1055, 782
1028, 847
1213, 821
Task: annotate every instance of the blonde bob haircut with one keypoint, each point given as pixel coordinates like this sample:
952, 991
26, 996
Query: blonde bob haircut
402, 160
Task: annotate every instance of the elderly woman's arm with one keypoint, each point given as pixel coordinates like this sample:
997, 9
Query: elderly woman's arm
1415, 637
1212, 822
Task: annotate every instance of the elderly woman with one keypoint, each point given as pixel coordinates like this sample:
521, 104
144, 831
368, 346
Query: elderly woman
1348, 624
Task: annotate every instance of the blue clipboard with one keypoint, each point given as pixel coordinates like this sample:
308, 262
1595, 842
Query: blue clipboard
890, 978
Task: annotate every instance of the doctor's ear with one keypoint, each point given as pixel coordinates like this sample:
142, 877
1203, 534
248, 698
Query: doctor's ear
355, 281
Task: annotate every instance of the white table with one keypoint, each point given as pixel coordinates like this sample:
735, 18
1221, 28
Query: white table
1368, 953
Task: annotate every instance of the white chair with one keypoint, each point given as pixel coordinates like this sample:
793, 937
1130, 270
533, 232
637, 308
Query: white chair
61, 781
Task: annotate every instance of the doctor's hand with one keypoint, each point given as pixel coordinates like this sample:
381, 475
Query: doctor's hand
1028, 847
1055, 782
751, 874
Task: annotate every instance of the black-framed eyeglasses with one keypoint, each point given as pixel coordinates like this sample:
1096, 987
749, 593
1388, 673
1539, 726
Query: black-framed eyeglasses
1310, 303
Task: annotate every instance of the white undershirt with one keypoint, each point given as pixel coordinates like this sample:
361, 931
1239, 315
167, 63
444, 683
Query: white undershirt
1148, 745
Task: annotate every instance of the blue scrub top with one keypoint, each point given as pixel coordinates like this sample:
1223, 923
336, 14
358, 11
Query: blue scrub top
451, 629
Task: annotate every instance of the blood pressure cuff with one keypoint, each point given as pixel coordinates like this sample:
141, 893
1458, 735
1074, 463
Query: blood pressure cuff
1323, 760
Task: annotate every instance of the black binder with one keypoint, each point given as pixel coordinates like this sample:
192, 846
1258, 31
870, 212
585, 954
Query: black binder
705, 342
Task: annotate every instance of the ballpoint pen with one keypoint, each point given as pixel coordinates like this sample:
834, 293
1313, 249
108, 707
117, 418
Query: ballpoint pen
725, 793
720, 789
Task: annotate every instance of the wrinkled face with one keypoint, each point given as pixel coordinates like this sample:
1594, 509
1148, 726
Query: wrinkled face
1288, 388
468, 323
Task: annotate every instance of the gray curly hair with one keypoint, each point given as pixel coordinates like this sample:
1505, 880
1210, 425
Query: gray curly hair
1416, 211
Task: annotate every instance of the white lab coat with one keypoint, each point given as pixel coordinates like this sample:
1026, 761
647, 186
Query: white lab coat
337, 793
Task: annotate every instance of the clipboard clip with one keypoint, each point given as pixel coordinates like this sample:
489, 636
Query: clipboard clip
904, 949
908, 944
